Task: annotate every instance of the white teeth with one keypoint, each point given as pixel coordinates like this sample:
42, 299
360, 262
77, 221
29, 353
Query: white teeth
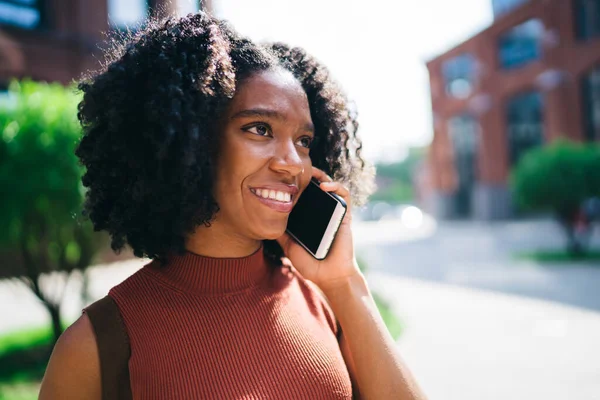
273, 195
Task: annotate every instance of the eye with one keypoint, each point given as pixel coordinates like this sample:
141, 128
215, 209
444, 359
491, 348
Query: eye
305, 141
259, 129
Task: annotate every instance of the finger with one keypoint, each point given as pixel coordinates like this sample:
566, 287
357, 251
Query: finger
336, 188
341, 191
320, 175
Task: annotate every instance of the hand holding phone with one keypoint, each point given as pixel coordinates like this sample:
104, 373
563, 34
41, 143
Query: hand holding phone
315, 219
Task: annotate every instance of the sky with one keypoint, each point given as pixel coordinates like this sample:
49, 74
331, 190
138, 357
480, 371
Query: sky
375, 49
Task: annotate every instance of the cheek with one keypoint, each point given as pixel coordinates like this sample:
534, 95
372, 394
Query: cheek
239, 161
227, 175
234, 158
256, 151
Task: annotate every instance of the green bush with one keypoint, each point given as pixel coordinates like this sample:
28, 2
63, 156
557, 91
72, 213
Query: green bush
41, 189
20, 391
24, 355
397, 178
559, 178
397, 192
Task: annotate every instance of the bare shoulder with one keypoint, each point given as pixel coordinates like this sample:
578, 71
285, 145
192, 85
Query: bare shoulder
73, 371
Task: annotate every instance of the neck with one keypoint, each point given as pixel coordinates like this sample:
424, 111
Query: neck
215, 242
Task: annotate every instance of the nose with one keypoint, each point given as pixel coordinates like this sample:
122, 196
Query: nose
286, 159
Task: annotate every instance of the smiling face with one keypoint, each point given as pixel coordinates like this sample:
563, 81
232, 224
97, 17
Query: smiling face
263, 163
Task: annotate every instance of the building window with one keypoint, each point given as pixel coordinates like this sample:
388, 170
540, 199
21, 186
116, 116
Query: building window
463, 131
501, 7
459, 75
22, 13
521, 45
591, 105
587, 18
127, 14
525, 124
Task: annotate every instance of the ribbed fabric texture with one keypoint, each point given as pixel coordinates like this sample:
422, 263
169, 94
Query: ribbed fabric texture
209, 328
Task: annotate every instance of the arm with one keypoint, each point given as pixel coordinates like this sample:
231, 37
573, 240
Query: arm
350, 365
73, 372
368, 348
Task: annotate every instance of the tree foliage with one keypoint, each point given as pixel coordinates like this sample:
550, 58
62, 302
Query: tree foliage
41, 189
395, 180
559, 178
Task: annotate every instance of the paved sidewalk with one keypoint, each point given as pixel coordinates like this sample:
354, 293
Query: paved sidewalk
467, 344
20, 309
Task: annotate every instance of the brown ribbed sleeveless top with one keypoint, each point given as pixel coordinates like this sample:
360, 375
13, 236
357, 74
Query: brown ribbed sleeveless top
214, 328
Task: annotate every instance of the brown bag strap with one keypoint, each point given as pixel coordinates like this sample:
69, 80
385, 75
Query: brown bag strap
113, 348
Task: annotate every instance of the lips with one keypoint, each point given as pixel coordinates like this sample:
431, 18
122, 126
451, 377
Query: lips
278, 197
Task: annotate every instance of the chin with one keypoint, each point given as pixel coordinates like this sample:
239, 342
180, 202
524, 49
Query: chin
272, 233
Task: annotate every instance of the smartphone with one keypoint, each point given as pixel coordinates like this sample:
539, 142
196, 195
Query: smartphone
315, 219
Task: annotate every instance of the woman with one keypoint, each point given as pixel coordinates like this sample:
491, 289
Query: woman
197, 142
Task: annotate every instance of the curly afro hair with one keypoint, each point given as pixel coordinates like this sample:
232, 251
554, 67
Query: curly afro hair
148, 120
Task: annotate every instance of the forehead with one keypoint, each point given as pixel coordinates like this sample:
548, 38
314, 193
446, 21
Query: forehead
273, 89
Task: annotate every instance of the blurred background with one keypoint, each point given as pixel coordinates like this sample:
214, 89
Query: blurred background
482, 117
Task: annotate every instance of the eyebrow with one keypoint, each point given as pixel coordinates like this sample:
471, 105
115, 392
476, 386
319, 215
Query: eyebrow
267, 113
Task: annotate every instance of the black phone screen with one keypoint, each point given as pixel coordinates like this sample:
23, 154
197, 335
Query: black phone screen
310, 216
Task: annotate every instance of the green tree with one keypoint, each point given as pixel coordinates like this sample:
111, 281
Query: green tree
41, 190
395, 180
559, 178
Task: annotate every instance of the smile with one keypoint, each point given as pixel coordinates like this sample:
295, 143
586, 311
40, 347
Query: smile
276, 195
275, 199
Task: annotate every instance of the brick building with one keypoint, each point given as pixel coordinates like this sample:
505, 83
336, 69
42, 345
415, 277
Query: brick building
58, 40
531, 77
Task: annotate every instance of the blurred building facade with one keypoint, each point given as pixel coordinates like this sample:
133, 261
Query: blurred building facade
531, 77
59, 40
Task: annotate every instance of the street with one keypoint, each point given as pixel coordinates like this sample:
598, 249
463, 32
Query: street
480, 325
477, 255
